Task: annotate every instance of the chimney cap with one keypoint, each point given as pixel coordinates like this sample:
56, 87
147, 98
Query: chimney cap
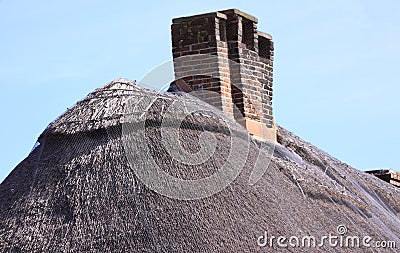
198, 16
240, 13
265, 35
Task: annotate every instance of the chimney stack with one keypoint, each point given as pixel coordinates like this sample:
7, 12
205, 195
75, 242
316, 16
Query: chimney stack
224, 53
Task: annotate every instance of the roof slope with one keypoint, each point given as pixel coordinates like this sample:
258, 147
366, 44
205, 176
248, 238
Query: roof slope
77, 191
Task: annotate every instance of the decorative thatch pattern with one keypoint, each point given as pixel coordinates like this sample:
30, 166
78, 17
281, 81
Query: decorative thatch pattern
76, 192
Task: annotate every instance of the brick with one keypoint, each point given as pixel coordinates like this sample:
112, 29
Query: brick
199, 46
249, 86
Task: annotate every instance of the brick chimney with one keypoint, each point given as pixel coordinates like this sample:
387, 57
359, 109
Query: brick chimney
224, 53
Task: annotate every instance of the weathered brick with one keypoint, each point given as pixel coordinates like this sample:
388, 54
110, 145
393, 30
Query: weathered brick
242, 69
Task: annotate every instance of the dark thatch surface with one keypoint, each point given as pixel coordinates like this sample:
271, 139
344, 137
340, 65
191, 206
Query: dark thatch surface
76, 191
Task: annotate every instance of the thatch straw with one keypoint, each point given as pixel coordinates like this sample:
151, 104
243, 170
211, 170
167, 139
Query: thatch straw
77, 192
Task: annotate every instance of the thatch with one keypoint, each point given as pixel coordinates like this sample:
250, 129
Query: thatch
77, 192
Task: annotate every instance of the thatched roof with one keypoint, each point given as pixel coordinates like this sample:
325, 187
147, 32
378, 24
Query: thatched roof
78, 191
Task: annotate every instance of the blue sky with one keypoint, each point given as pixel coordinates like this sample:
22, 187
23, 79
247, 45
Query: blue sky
336, 79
